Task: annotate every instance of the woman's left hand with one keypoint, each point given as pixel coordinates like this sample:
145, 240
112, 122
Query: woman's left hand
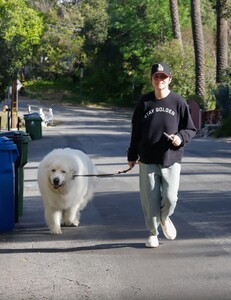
176, 140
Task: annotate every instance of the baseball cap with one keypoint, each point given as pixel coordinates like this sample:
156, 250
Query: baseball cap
161, 68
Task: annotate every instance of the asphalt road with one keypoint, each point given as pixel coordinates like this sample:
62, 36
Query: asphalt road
105, 258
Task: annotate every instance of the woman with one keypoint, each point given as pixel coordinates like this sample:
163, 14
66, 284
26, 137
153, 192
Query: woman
161, 126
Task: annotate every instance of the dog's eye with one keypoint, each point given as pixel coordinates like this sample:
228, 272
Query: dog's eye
53, 170
63, 171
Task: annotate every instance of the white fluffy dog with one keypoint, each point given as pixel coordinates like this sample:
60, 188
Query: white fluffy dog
64, 194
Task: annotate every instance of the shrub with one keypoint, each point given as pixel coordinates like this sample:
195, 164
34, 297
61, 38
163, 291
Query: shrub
225, 129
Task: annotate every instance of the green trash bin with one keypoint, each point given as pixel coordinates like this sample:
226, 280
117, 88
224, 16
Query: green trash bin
25, 141
33, 124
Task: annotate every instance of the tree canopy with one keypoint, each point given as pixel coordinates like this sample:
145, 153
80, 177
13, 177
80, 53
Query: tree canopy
20, 31
115, 41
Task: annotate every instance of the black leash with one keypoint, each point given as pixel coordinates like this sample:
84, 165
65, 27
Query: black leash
102, 175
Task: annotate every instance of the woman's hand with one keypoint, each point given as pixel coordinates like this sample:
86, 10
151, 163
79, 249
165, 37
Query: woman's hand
131, 164
176, 140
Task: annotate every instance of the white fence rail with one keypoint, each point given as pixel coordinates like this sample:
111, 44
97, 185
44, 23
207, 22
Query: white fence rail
45, 113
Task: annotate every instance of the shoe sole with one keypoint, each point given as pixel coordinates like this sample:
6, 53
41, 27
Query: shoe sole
150, 246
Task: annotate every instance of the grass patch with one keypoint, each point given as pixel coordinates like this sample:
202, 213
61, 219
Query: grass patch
65, 91
54, 91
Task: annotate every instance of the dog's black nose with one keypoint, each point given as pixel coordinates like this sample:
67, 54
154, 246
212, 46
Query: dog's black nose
56, 181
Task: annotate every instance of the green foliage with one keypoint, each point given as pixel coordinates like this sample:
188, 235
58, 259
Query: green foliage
95, 22
20, 30
182, 65
60, 90
225, 129
223, 98
135, 29
117, 41
140, 34
73, 30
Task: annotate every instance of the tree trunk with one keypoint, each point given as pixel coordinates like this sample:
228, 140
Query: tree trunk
222, 40
198, 41
175, 22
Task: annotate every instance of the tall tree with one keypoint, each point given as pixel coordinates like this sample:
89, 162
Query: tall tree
20, 32
222, 39
198, 41
73, 31
175, 22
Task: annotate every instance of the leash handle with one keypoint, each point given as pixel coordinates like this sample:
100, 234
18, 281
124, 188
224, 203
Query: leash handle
102, 175
124, 171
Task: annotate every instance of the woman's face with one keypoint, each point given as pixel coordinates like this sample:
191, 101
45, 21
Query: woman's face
160, 81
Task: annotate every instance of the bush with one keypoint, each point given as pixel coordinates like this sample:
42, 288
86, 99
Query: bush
225, 129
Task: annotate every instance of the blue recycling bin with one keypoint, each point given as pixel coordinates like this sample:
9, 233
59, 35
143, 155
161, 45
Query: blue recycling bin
21, 139
8, 155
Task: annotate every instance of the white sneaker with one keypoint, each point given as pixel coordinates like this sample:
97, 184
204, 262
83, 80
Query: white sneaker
169, 229
152, 242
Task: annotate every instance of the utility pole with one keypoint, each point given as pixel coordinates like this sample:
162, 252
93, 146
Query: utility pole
14, 105
81, 78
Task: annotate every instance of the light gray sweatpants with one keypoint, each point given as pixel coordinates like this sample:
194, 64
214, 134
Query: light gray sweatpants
158, 192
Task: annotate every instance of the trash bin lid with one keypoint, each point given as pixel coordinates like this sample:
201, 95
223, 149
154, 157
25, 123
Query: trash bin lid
26, 138
13, 135
32, 119
32, 115
10, 134
6, 144
16, 133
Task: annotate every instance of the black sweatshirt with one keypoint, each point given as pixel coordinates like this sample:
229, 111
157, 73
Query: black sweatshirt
151, 118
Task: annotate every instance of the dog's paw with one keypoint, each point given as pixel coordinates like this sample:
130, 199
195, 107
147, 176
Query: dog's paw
74, 223
55, 230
